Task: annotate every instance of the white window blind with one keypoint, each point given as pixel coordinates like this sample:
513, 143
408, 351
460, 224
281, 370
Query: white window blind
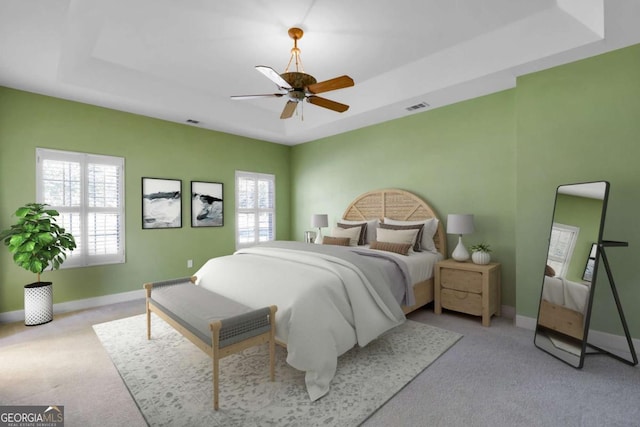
88, 191
561, 246
255, 208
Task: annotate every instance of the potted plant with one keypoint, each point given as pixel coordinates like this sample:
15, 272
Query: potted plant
480, 253
37, 242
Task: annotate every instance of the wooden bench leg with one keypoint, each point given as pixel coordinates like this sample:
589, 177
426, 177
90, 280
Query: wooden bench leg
272, 360
148, 287
272, 343
216, 379
148, 323
215, 357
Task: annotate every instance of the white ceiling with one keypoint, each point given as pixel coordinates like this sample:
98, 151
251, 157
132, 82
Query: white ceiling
182, 59
592, 190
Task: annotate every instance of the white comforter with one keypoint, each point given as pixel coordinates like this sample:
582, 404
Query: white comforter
325, 304
561, 291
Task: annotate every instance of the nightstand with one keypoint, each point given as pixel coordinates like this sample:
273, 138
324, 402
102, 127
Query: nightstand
468, 288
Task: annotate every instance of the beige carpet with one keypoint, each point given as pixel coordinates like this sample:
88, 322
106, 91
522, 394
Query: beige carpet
170, 378
63, 363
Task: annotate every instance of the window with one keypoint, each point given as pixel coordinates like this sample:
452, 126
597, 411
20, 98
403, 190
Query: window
88, 191
587, 276
561, 245
255, 208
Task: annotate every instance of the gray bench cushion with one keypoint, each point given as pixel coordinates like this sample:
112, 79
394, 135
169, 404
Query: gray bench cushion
196, 308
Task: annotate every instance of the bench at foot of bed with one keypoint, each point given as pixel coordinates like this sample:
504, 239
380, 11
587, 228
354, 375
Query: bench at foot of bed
218, 325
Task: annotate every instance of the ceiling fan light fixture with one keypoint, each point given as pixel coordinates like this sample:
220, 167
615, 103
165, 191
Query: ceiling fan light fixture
298, 80
300, 86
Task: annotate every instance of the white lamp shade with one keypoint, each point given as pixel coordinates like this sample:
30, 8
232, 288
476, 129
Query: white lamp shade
460, 224
319, 220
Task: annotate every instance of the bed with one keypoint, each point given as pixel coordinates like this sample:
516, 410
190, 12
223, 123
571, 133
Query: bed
330, 298
563, 306
405, 206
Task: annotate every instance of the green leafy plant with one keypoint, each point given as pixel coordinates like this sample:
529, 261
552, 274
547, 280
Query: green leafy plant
481, 247
36, 240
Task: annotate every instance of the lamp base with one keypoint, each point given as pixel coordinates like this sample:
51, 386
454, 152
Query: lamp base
319, 237
460, 253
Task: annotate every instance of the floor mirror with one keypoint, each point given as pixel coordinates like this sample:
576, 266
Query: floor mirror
575, 252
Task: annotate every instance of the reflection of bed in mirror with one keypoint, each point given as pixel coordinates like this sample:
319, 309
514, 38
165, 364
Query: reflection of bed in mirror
563, 306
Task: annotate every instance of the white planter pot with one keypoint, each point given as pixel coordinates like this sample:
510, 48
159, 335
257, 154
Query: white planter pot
481, 258
38, 303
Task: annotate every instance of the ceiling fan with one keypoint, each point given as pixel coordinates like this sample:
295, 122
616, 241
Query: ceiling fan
298, 86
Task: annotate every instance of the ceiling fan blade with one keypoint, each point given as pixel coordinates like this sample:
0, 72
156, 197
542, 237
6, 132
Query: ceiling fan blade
267, 95
289, 108
332, 84
273, 76
327, 103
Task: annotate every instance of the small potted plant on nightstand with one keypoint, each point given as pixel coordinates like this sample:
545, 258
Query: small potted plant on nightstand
37, 242
480, 253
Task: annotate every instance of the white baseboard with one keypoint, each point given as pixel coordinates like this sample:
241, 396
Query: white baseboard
614, 343
526, 322
18, 315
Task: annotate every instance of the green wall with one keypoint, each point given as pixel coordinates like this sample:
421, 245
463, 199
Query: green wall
578, 123
500, 157
151, 148
460, 159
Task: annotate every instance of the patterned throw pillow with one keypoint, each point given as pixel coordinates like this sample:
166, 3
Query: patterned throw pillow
430, 229
338, 241
399, 248
397, 236
417, 246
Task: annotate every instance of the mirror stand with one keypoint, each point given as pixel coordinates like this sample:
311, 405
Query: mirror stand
568, 284
634, 357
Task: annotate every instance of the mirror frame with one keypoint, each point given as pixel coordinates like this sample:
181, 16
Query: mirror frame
542, 341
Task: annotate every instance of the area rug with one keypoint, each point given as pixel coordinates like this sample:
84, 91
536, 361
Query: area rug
170, 378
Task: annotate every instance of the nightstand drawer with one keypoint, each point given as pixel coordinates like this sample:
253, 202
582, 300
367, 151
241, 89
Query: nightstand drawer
464, 302
461, 280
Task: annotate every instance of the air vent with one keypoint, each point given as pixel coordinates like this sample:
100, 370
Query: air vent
193, 122
417, 106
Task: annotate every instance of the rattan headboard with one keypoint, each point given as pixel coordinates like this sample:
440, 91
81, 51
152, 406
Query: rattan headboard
395, 204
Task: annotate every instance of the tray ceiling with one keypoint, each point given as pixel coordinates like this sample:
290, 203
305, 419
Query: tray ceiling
181, 60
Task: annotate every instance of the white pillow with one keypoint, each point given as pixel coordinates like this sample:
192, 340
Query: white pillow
430, 229
352, 233
397, 236
371, 228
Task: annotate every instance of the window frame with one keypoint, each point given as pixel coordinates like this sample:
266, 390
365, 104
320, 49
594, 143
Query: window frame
256, 210
565, 260
80, 257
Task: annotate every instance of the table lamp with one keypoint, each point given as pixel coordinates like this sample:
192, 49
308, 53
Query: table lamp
460, 224
318, 221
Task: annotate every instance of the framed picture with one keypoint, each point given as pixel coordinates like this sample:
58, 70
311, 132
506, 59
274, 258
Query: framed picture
161, 203
206, 204
591, 261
